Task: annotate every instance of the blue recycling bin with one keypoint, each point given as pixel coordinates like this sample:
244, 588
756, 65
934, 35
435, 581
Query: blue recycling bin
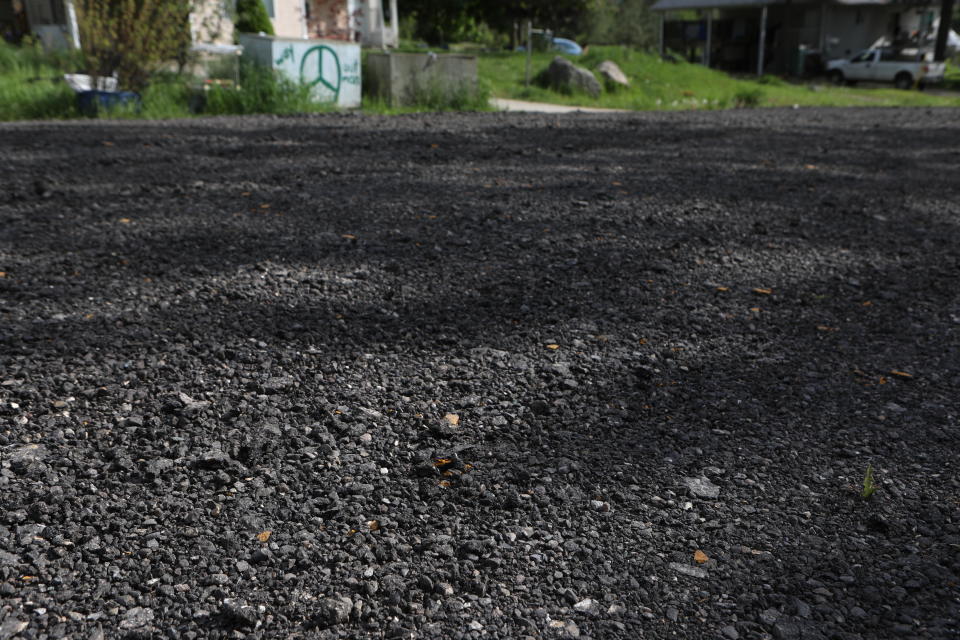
90, 103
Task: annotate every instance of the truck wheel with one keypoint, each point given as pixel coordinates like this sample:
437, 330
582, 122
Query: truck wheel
903, 81
836, 77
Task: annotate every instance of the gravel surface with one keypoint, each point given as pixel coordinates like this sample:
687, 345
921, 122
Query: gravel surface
481, 376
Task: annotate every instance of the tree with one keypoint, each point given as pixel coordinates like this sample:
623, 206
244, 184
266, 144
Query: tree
441, 21
627, 22
132, 38
252, 18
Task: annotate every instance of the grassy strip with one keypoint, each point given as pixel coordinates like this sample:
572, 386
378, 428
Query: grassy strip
31, 88
30, 84
657, 84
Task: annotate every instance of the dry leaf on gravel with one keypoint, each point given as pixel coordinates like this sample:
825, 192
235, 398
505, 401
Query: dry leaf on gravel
700, 557
263, 536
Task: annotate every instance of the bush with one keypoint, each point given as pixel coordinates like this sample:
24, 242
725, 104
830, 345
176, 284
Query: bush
773, 81
438, 97
252, 17
132, 38
261, 90
31, 83
747, 98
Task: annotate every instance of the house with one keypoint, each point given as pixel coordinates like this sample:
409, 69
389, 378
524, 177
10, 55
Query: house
363, 21
54, 22
788, 36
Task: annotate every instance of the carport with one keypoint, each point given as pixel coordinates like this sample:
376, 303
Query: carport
756, 7
788, 36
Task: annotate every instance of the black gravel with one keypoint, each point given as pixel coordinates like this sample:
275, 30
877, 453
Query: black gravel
481, 376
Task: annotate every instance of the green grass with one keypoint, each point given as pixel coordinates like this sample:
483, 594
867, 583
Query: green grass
31, 87
869, 484
657, 84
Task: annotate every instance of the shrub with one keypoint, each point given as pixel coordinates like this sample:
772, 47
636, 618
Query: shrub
132, 38
261, 90
747, 98
773, 81
439, 97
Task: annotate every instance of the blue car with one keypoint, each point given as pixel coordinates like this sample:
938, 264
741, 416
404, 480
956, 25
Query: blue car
562, 45
567, 46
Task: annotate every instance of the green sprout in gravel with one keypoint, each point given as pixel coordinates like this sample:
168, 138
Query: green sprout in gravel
869, 486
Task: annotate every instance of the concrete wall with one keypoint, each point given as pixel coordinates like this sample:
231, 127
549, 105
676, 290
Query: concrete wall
398, 77
330, 68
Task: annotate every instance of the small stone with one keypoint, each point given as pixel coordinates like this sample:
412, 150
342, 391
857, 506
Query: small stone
693, 572
585, 605
136, 618
11, 627
786, 630
730, 631
260, 556
701, 487
334, 611
239, 612
858, 612
672, 614
769, 616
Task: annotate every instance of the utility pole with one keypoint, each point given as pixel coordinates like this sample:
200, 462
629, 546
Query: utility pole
761, 46
530, 32
946, 18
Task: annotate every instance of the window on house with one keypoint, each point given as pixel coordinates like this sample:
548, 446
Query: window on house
269, 5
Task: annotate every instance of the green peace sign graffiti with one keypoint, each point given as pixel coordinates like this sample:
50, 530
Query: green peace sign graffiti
332, 86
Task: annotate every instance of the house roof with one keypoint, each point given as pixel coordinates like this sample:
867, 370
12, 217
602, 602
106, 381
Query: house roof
681, 5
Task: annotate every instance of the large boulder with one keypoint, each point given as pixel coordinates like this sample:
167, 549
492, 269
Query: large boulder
612, 75
566, 77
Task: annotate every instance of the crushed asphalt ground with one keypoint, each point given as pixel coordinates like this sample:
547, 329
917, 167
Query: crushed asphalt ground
482, 376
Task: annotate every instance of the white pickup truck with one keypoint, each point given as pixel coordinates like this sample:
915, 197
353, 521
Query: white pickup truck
905, 68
